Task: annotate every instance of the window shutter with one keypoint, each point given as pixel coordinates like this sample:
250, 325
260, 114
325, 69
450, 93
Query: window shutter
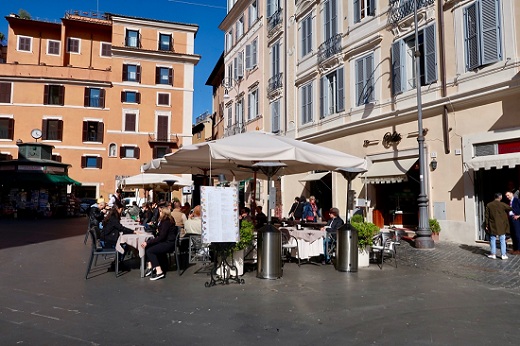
357, 14
102, 98
86, 99
154, 152
100, 132
340, 105
430, 59
62, 95
248, 57
123, 96
122, 152
137, 153
240, 67
397, 68
99, 162
85, 131
250, 106
360, 81
471, 33
170, 76
83, 161
10, 129
303, 106
44, 128
303, 29
157, 75
275, 111
125, 72
130, 122
46, 94
254, 53
322, 97
334, 17
138, 73
328, 33
235, 67
490, 31
138, 97
369, 77
60, 130
269, 8
171, 44
372, 8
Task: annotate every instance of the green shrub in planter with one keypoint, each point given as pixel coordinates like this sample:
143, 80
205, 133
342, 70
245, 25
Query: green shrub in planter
434, 226
246, 235
366, 230
357, 219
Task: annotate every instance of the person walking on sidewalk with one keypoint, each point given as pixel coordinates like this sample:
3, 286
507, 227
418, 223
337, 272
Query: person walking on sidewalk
514, 218
497, 224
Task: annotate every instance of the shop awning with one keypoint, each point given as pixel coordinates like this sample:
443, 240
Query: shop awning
494, 161
62, 180
388, 172
314, 176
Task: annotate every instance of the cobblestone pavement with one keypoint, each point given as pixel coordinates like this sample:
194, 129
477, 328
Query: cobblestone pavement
464, 261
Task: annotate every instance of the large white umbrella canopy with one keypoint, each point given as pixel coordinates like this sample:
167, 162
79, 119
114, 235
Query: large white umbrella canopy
154, 180
236, 153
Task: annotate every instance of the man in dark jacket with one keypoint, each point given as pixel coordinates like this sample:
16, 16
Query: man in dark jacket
334, 223
97, 213
514, 221
497, 224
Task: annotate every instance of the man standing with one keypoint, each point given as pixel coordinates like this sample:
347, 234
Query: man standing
334, 223
497, 224
514, 217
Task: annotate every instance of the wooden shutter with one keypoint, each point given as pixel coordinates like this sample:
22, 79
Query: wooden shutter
138, 73
170, 76
10, 129
61, 95
162, 128
122, 152
430, 59
322, 97
471, 33
44, 129
248, 57
138, 97
46, 94
340, 97
99, 162
123, 96
154, 152
130, 122
490, 31
397, 68
100, 132
369, 77
86, 98
137, 152
60, 130
360, 81
83, 161
125, 72
157, 75
372, 8
357, 12
102, 98
171, 43
240, 67
334, 17
85, 131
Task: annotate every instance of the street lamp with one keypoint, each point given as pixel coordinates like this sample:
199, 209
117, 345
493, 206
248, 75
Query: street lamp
424, 234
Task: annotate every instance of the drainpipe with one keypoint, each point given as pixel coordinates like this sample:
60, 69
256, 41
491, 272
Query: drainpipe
91, 46
40, 50
444, 92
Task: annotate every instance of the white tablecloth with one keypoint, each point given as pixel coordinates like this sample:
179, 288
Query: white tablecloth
133, 240
310, 242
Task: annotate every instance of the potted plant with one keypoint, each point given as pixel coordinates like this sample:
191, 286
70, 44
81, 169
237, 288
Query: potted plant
246, 232
366, 231
435, 228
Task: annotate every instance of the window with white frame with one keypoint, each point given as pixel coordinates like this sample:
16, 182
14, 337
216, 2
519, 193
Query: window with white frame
73, 45
275, 116
275, 59
239, 112
164, 75
24, 44
306, 35
253, 13
132, 38
53, 47
6, 128
238, 65
332, 93
93, 131
130, 121
230, 74
52, 129
272, 7
91, 161
130, 96
403, 57
165, 42
129, 152
330, 19
482, 33
240, 27
106, 49
131, 73
94, 97
5, 92
252, 104
364, 72
163, 99
112, 150
229, 40
363, 9
252, 55
306, 97
229, 116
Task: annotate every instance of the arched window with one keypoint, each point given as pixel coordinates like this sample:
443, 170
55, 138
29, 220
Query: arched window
112, 150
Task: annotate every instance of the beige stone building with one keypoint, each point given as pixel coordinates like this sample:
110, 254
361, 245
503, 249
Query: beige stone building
109, 92
344, 76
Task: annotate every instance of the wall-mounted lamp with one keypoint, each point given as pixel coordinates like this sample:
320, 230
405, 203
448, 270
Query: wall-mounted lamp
433, 164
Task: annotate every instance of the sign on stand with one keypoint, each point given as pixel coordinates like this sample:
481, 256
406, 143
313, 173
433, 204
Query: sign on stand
219, 214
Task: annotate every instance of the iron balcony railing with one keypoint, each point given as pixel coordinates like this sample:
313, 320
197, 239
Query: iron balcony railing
329, 48
274, 20
400, 9
275, 82
234, 130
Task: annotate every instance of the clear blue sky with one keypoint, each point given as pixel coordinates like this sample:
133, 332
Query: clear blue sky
207, 14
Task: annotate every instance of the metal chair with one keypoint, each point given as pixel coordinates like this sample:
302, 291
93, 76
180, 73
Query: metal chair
384, 246
288, 246
97, 250
331, 238
190, 247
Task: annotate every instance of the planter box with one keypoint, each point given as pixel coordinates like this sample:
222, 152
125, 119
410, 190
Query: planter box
364, 258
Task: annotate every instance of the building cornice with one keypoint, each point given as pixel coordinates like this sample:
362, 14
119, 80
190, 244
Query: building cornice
153, 55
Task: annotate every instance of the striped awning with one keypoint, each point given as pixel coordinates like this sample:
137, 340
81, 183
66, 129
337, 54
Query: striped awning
388, 172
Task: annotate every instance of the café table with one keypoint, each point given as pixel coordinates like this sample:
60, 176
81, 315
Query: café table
310, 242
134, 240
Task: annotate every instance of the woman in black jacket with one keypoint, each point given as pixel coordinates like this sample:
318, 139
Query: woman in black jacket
162, 244
112, 227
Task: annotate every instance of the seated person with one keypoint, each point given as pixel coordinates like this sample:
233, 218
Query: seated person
133, 211
97, 213
194, 223
112, 227
178, 215
162, 244
260, 217
334, 223
245, 214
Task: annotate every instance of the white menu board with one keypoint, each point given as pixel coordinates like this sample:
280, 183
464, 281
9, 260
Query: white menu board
219, 214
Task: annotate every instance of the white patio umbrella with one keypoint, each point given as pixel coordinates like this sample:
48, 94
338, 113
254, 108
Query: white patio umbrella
154, 180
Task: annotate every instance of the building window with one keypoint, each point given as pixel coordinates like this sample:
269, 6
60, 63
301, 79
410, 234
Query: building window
112, 150
93, 131
163, 75
91, 162
275, 82
25, 44
130, 122
52, 129
5, 92
106, 49
159, 152
253, 13
229, 116
272, 7
94, 97
238, 65
239, 112
403, 67
6, 128
132, 38
240, 27
53, 47
56, 157
364, 8
163, 129
275, 116
73, 45
54, 95
306, 35
364, 80
129, 152
331, 19
252, 55
165, 42
131, 73
130, 96
163, 99
252, 104
306, 103
229, 40
482, 33
332, 94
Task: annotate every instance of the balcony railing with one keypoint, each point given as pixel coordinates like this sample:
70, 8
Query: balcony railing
329, 48
275, 82
155, 138
234, 130
274, 20
400, 9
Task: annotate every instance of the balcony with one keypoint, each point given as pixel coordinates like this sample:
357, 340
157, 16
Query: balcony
274, 20
400, 9
275, 82
234, 130
330, 47
171, 140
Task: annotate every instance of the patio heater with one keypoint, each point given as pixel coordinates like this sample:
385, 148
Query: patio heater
269, 238
424, 234
170, 187
347, 241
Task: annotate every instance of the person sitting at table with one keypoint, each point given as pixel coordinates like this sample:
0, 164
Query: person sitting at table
97, 213
245, 214
194, 223
334, 223
178, 215
293, 207
133, 211
112, 227
260, 217
162, 244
